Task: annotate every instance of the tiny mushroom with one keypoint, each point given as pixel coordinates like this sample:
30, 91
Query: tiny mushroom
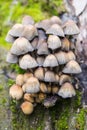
20, 79
27, 20
43, 87
28, 97
64, 78
49, 76
39, 73
11, 58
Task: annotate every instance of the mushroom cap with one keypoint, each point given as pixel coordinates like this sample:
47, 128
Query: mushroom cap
70, 56
29, 32
49, 76
55, 20
11, 58
27, 75
32, 85
49, 89
53, 42
64, 78
16, 30
40, 60
41, 34
55, 89
61, 57
39, 73
43, 87
27, 20
72, 67
43, 49
16, 92
27, 62
66, 90
9, 38
70, 28
34, 43
55, 29
65, 44
28, 97
50, 61
27, 107
44, 24
41, 96
21, 46
20, 79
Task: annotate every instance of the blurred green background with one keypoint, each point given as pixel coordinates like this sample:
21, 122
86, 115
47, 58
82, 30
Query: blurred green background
12, 11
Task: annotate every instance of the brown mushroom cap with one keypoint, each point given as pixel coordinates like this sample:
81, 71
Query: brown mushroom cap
27, 75
39, 73
72, 67
16, 92
28, 97
70, 28
50, 61
16, 30
27, 107
53, 42
66, 90
11, 58
20, 79
55, 29
65, 44
55, 89
32, 85
43, 87
29, 32
27, 20
21, 46
27, 62
64, 78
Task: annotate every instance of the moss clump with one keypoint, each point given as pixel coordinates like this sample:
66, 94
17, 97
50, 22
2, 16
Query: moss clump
80, 120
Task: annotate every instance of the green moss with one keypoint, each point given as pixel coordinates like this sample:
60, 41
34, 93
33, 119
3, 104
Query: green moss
77, 101
1, 87
80, 119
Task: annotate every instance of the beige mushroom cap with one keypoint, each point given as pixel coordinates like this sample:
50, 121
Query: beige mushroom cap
27, 107
39, 73
49, 76
27, 20
16, 92
55, 29
11, 58
64, 78
32, 85
40, 60
50, 61
27, 62
70, 56
29, 32
21, 46
16, 30
28, 97
66, 90
66, 44
20, 79
43, 87
70, 28
27, 75
55, 20
53, 42
72, 67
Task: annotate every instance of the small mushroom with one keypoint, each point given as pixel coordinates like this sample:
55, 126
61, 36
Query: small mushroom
55, 20
32, 85
49, 76
42, 35
27, 20
55, 89
55, 29
16, 30
70, 56
11, 58
28, 97
43, 87
53, 42
34, 43
29, 32
9, 38
65, 44
43, 49
39, 73
66, 90
70, 28
41, 96
27, 62
61, 57
21, 46
64, 78
27, 107
72, 67
27, 75
50, 61
40, 60
16, 92
49, 89
20, 79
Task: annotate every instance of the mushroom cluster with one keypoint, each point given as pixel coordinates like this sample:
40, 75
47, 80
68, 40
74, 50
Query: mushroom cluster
47, 54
